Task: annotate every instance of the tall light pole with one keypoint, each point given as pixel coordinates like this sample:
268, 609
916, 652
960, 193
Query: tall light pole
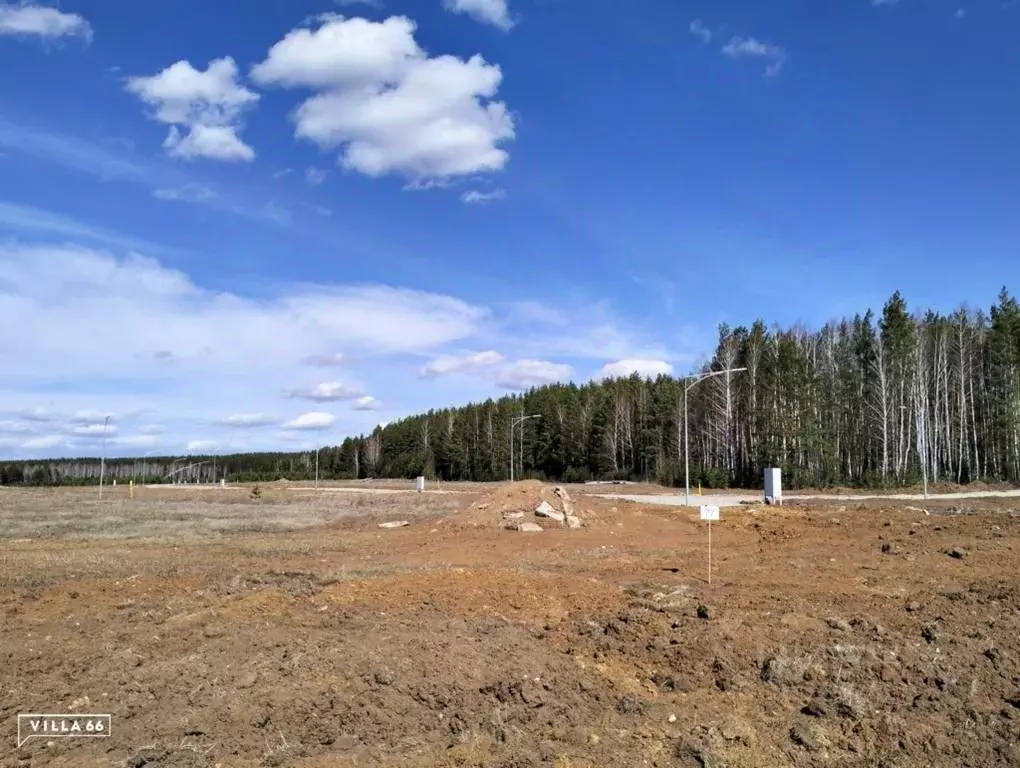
102, 458
514, 421
694, 380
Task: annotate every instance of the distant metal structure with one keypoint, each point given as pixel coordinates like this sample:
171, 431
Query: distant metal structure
694, 381
102, 458
177, 472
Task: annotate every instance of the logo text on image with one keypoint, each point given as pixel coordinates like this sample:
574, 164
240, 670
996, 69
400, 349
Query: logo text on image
71, 725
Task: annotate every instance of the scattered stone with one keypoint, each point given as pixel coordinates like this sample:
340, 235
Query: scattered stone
929, 634
917, 509
213, 630
395, 524
545, 509
529, 528
672, 718
513, 515
840, 625
807, 738
630, 705
956, 553
993, 654
383, 676
702, 611
79, 703
574, 522
816, 708
345, 743
248, 679
913, 607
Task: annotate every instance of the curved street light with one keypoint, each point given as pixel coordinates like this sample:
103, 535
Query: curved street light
695, 380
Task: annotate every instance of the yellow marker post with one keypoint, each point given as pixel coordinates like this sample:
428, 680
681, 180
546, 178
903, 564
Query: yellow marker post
132, 489
699, 489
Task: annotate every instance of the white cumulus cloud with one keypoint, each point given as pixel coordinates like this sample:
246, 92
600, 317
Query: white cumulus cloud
386, 104
645, 368
327, 392
447, 364
311, 421
33, 20
367, 403
136, 304
493, 12
525, 374
248, 420
44, 442
202, 108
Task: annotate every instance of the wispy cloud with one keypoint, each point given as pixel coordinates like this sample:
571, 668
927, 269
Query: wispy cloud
23, 218
748, 47
163, 178
189, 193
698, 28
315, 176
476, 197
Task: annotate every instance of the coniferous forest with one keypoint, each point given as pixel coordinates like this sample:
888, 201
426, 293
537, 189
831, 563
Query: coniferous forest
865, 401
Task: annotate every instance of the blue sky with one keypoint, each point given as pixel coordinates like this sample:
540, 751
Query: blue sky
259, 225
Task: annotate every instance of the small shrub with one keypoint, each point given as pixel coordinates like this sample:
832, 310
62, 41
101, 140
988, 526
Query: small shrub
256, 493
702, 611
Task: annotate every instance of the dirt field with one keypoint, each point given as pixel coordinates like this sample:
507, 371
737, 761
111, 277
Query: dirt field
218, 630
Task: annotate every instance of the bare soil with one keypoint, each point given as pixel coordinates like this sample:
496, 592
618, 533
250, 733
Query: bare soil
218, 630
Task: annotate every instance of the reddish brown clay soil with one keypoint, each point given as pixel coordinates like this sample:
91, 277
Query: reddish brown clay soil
830, 636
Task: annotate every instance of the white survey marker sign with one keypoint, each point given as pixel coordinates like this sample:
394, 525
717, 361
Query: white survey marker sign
709, 512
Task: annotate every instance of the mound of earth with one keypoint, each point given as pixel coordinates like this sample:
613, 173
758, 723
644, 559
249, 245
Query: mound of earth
529, 506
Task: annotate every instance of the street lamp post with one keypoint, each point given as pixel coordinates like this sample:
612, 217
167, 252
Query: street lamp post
514, 421
102, 458
694, 380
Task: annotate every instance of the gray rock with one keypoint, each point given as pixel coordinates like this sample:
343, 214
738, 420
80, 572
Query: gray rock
840, 625
545, 509
529, 528
568, 505
248, 679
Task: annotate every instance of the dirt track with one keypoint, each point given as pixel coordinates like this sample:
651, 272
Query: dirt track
831, 635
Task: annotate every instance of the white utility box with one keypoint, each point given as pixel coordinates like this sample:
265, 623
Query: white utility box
773, 486
419, 484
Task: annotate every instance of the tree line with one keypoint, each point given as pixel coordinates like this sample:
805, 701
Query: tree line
868, 401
